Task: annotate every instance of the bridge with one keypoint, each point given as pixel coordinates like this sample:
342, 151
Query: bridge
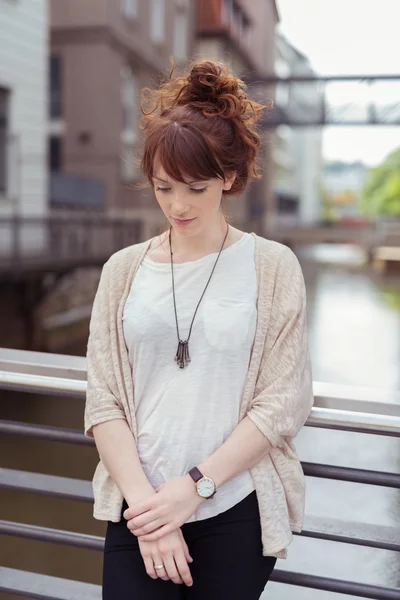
312, 100
336, 407
41, 244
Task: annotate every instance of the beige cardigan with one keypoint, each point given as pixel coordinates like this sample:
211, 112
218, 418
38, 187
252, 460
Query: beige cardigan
277, 395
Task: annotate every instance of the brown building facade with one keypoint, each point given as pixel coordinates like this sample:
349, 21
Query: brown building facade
242, 33
102, 53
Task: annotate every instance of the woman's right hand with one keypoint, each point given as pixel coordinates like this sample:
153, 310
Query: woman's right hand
172, 552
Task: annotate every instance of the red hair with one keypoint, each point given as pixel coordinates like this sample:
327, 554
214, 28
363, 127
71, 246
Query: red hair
201, 126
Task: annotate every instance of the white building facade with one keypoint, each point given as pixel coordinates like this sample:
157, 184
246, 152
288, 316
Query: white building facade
297, 150
23, 112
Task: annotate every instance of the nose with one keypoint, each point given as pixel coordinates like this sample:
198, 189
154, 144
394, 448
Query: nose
179, 206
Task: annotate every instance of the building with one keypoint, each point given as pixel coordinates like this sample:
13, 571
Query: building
102, 54
297, 151
242, 33
343, 183
23, 119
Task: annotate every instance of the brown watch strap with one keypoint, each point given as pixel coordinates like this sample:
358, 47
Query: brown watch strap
195, 474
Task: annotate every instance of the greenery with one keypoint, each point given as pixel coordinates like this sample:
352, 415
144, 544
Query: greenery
381, 194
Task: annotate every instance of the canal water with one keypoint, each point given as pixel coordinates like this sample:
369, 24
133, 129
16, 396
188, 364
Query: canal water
354, 335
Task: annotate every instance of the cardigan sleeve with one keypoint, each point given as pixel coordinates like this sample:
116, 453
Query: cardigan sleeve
102, 392
283, 394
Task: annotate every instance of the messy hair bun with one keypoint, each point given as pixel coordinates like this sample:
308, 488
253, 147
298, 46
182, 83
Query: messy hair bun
201, 125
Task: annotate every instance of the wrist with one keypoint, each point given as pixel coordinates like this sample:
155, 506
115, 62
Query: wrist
139, 494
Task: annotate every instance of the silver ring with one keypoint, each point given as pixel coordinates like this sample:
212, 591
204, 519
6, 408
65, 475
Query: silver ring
158, 567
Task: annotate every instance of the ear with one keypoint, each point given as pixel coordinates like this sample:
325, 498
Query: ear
229, 181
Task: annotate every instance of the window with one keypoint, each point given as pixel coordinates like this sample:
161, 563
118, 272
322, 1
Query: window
55, 86
129, 123
4, 108
227, 11
157, 21
129, 8
55, 154
180, 35
237, 21
128, 167
128, 100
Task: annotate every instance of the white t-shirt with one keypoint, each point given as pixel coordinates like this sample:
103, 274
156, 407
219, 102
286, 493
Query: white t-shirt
184, 415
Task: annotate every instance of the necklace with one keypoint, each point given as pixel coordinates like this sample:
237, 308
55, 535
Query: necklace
182, 356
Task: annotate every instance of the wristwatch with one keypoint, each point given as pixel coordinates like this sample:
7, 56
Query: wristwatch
205, 486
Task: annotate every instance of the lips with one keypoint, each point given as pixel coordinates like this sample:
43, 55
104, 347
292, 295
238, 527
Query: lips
183, 222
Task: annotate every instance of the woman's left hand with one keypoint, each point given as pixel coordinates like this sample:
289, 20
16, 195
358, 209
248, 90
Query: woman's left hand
164, 512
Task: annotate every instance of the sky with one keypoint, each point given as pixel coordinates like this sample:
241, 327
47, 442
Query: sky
348, 37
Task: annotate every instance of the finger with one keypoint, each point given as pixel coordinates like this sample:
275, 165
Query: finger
160, 573
171, 569
183, 568
142, 520
186, 552
139, 508
185, 548
147, 529
149, 566
157, 535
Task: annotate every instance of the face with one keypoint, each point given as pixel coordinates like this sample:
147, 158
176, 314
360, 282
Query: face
193, 206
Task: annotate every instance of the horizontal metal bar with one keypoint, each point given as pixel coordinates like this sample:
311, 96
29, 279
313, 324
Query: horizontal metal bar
356, 399
45, 432
354, 475
360, 534
340, 586
43, 363
42, 384
335, 407
55, 536
35, 585
387, 425
345, 420
320, 78
384, 537
45, 587
82, 490
49, 485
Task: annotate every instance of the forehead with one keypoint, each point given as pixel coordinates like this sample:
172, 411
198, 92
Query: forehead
159, 172
161, 175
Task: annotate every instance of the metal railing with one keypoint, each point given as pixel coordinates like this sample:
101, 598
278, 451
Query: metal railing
51, 240
336, 407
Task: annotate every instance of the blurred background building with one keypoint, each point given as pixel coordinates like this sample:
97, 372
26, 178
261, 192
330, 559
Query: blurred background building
102, 54
297, 152
23, 119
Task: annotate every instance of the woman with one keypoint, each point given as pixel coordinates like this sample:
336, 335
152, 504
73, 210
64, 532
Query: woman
198, 369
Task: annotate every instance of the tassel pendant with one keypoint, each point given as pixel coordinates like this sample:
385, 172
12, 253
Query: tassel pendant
182, 357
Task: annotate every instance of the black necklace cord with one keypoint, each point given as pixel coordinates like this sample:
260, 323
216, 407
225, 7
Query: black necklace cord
182, 356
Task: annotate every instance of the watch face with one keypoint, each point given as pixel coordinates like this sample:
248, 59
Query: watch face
205, 487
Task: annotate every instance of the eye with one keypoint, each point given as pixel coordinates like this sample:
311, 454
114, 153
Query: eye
198, 191
160, 189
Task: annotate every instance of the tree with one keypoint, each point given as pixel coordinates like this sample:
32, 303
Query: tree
381, 194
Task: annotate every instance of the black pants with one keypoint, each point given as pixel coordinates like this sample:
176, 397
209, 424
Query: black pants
226, 552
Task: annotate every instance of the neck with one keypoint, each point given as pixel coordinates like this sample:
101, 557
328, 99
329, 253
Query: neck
201, 244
